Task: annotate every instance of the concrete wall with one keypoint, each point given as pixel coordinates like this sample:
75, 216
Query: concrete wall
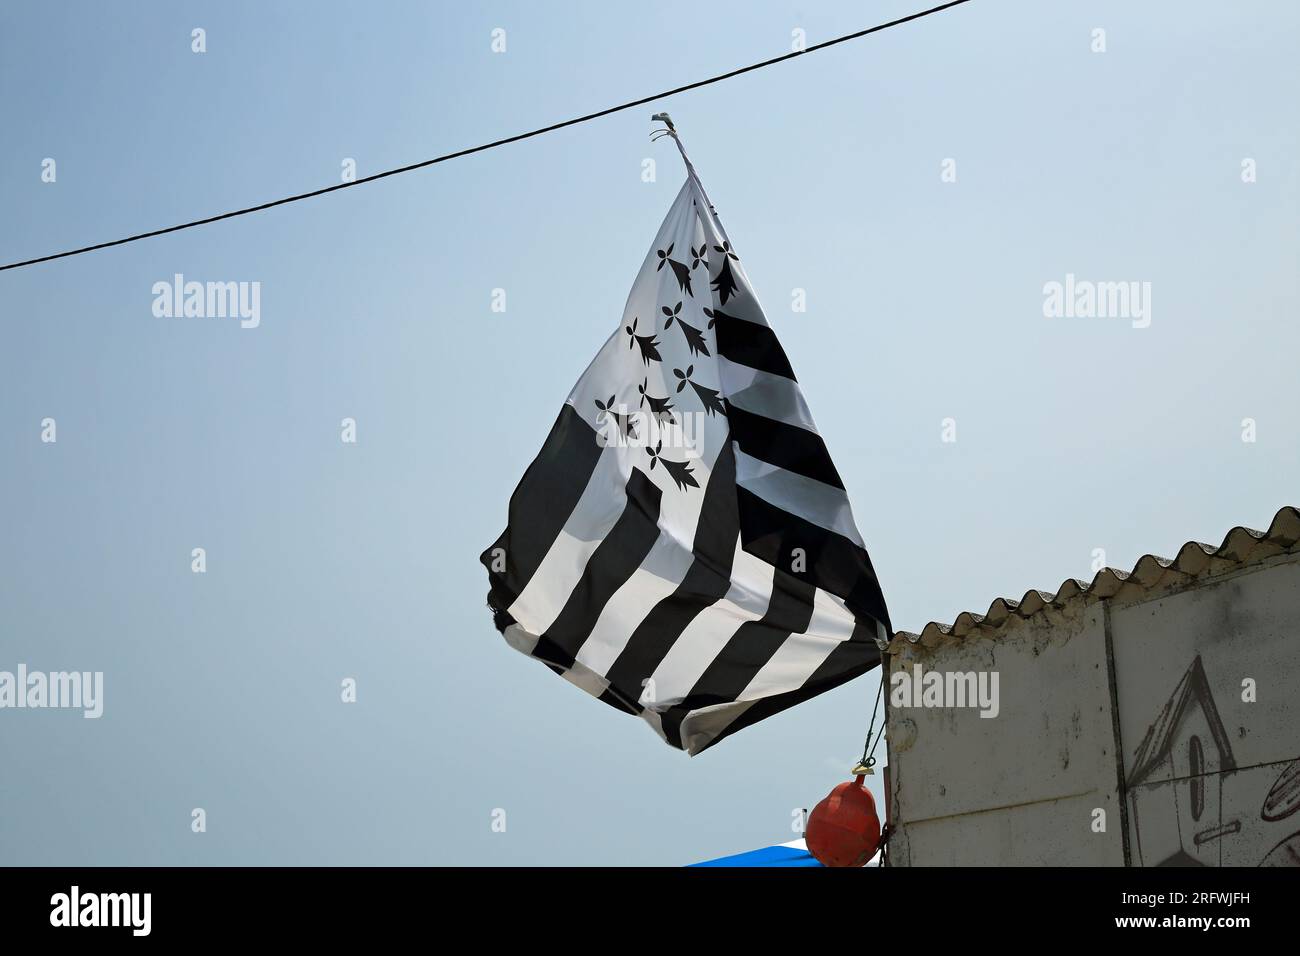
1245, 628
1041, 783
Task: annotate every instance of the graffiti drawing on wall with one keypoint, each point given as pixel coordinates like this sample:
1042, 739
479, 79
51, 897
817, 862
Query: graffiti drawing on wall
1190, 802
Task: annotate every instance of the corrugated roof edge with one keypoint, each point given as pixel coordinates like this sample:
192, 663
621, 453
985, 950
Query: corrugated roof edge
1241, 546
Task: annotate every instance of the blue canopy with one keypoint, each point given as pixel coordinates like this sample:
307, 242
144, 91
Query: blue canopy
788, 854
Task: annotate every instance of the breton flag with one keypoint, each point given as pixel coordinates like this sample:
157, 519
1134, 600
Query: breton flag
682, 548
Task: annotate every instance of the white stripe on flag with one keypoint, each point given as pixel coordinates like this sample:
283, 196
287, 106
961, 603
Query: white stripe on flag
520, 639
796, 494
581, 677
772, 396
577, 675
660, 573
632, 602
801, 654
700, 727
709, 632
656, 722
600, 506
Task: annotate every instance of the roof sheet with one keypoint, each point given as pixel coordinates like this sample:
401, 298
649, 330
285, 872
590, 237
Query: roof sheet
1240, 547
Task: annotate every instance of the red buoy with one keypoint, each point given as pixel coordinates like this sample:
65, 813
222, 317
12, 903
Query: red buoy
843, 830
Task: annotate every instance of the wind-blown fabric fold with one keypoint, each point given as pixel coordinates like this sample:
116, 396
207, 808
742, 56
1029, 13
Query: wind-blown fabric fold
682, 548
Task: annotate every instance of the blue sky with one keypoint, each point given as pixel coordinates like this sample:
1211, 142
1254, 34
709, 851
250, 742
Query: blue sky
328, 561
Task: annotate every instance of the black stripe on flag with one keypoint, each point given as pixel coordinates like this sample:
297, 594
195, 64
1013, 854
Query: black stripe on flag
785, 446
615, 559
828, 560
540, 506
706, 582
788, 612
848, 660
751, 344
618, 703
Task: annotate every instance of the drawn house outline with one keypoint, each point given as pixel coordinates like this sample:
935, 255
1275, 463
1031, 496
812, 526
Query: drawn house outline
1180, 807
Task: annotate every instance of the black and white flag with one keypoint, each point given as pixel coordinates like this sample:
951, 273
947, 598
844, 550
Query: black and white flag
682, 548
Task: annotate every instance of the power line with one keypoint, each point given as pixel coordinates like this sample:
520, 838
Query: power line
486, 146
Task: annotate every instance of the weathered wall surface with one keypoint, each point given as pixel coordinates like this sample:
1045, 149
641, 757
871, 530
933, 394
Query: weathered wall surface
1209, 775
1030, 834
1213, 776
1020, 787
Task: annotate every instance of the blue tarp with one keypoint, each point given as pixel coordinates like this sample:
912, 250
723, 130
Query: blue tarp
768, 856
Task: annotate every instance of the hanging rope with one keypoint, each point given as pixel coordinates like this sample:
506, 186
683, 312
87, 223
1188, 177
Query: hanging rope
868, 760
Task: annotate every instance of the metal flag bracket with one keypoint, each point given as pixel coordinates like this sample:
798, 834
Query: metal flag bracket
671, 130
667, 121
